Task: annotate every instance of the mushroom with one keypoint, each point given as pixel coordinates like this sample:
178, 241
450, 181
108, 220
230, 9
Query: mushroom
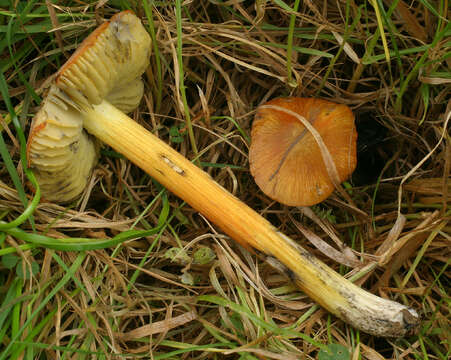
107, 66
79, 95
285, 158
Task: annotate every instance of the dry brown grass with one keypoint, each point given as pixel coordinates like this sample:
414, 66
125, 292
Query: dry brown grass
141, 300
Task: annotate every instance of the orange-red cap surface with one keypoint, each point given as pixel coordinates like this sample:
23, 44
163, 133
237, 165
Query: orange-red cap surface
285, 159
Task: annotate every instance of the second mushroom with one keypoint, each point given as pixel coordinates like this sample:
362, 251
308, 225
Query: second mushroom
302, 148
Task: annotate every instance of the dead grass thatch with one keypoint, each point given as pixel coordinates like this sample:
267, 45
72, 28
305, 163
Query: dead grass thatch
141, 299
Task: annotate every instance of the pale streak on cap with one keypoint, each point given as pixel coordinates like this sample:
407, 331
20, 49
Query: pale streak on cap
107, 66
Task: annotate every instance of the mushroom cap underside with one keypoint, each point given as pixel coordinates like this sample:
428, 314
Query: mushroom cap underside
285, 159
107, 66
108, 61
59, 151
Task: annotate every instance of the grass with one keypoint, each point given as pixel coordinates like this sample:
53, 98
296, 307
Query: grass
118, 275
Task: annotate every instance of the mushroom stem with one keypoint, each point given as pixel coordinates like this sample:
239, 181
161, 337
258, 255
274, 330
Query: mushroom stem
347, 301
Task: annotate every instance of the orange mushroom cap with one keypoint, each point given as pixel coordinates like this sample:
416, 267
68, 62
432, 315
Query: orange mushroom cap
285, 159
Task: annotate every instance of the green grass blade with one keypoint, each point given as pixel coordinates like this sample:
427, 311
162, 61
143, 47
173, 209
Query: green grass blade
283, 5
6, 308
66, 269
237, 125
439, 35
8, 163
84, 244
3, 150
76, 264
15, 63
37, 328
257, 320
156, 53
430, 7
78, 244
300, 49
27, 214
67, 349
371, 59
290, 43
13, 250
393, 33
15, 323
380, 26
29, 210
348, 30
171, 354
178, 14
